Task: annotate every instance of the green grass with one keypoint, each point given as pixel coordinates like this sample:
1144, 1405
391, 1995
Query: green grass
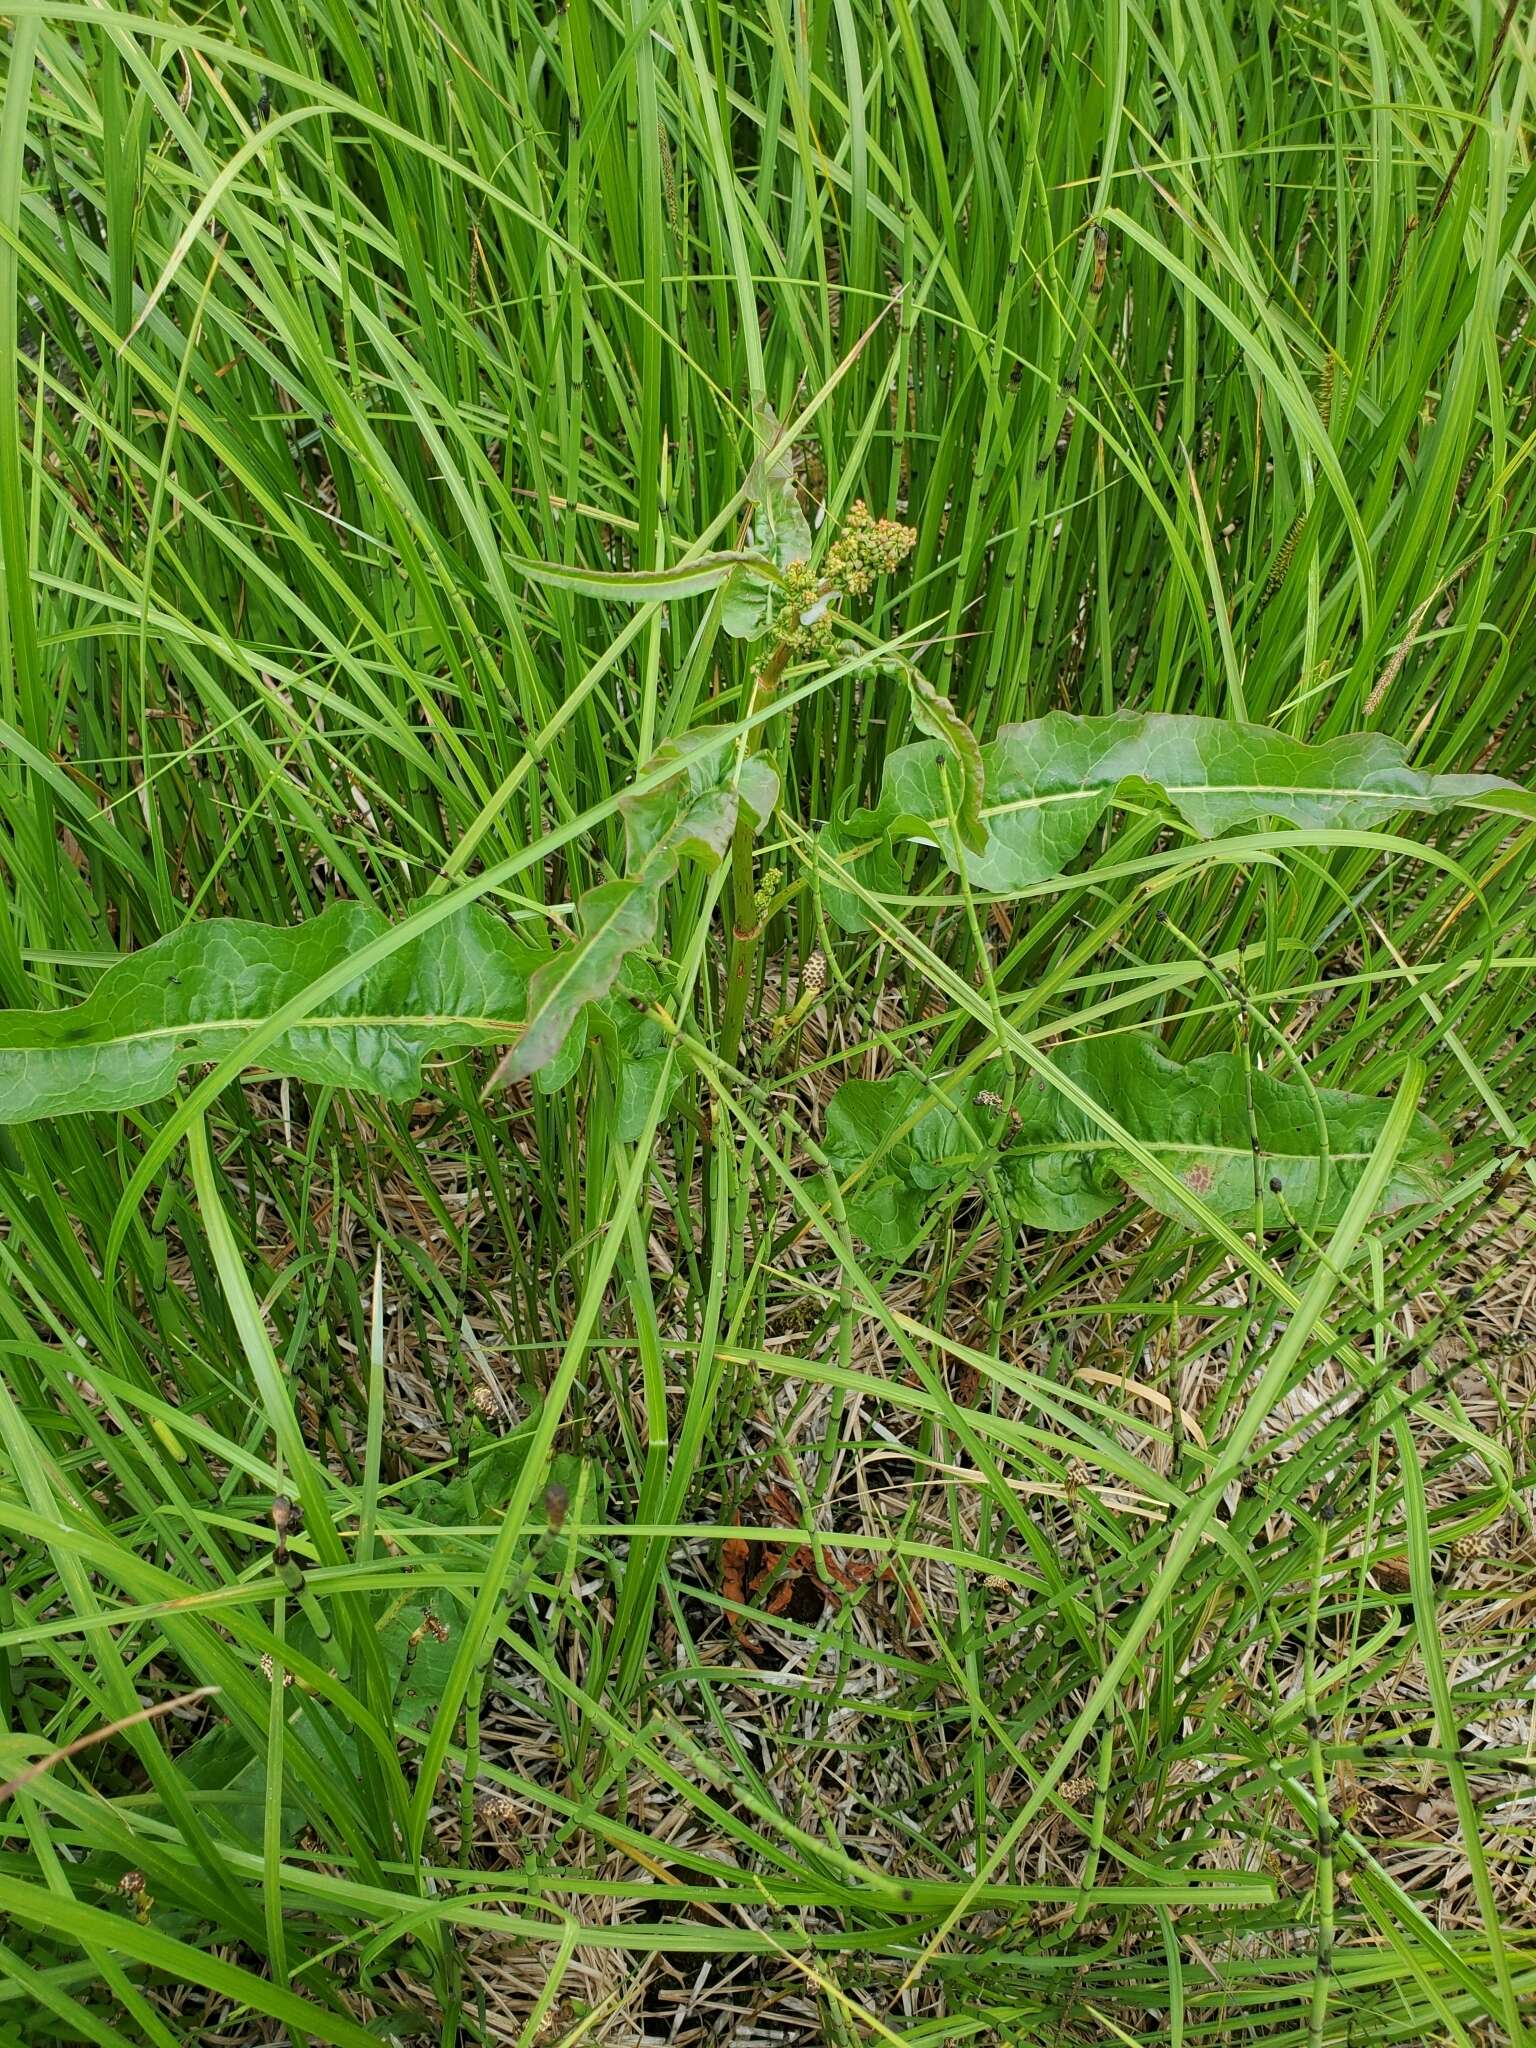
1137, 1682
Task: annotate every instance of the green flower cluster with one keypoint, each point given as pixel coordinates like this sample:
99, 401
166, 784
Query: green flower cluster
807, 621
865, 549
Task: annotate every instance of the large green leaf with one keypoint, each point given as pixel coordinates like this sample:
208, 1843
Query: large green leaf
612, 920
781, 534
479, 1494
779, 526
191, 996
966, 789
638, 1044
468, 981
696, 807
1048, 783
877, 869
690, 814
900, 1141
650, 586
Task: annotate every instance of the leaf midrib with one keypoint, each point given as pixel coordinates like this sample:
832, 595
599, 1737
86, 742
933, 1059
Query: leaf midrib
1396, 799
202, 1028
1076, 1145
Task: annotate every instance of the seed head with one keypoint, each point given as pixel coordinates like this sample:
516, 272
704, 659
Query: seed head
813, 975
498, 1808
132, 1883
269, 1669
483, 1401
1078, 1791
1468, 1549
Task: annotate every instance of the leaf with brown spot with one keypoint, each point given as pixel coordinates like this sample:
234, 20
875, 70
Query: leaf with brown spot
901, 1143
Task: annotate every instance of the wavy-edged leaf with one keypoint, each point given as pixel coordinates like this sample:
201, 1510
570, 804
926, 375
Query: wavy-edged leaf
648, 586
612, 920
697, 805
747, 608
692, 815
638, 1044
191, 996
1049, 782
781, 534
1058, 1170
779, 526
936, 716
551, 1078
877, 870
641, 1048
